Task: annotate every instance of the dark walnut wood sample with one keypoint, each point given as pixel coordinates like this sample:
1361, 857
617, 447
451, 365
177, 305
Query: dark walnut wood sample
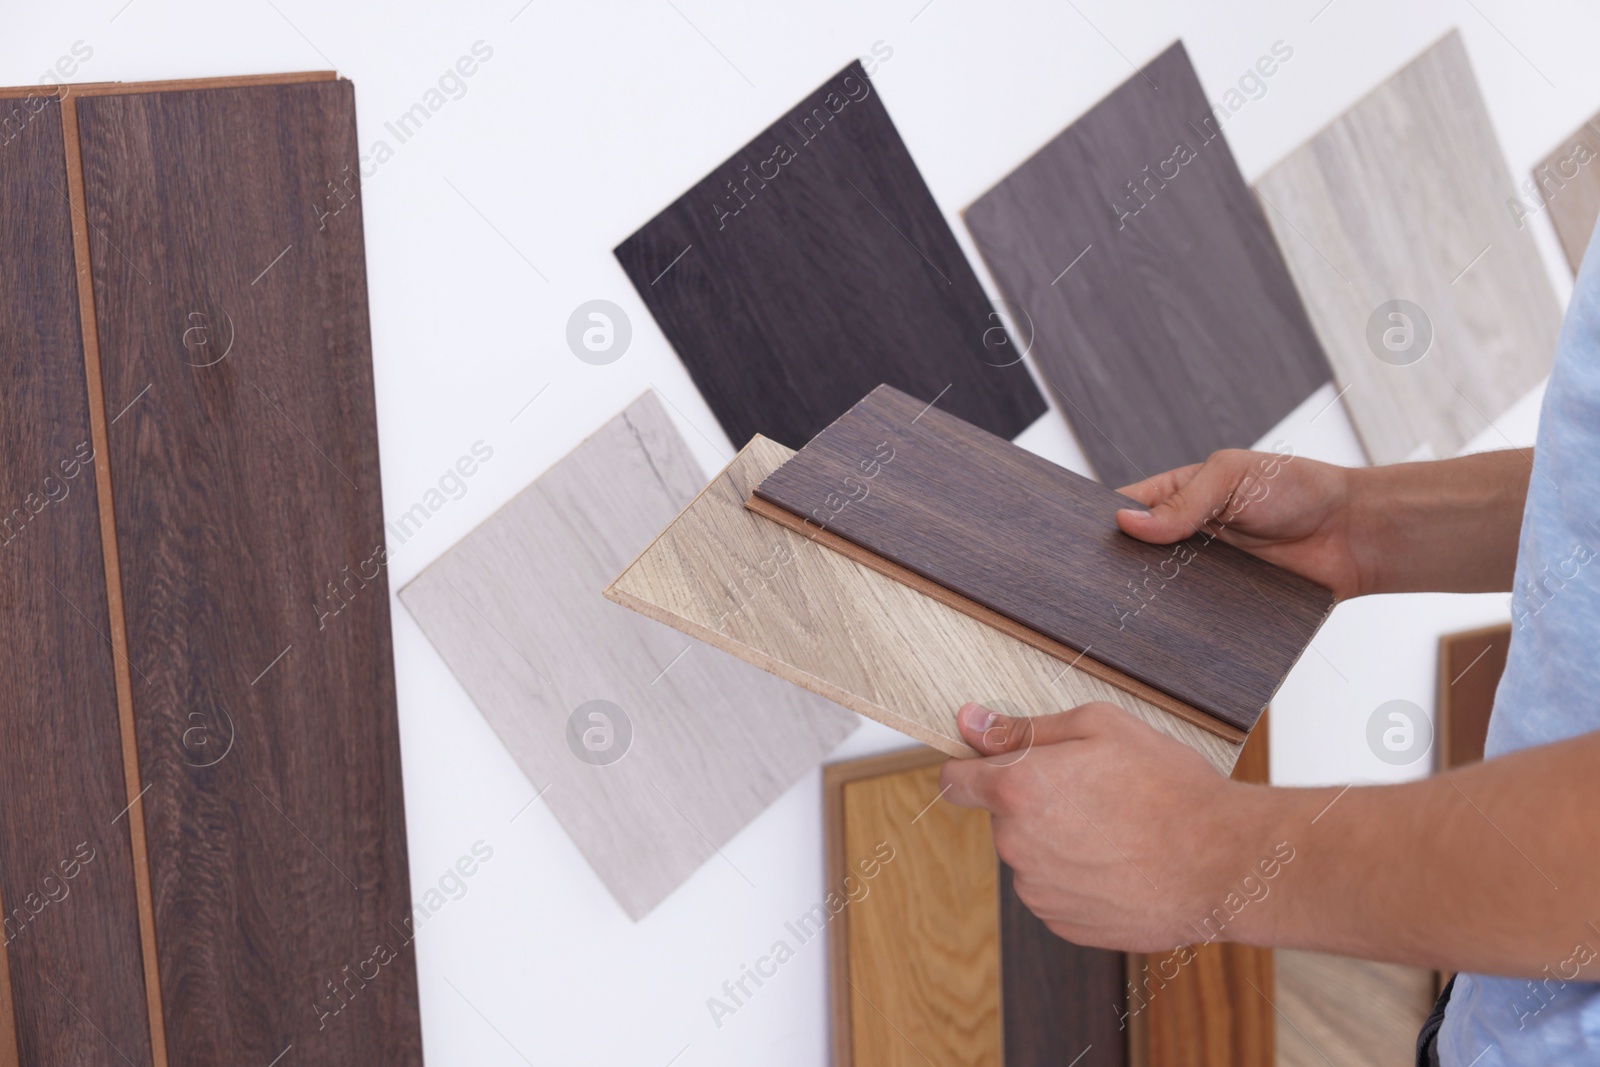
814, 264
1157, 302
1201, 621
71, 940
1060, 1003
230, 290
1470, 666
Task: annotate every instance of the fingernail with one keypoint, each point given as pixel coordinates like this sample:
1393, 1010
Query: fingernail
977, 718
1134, 513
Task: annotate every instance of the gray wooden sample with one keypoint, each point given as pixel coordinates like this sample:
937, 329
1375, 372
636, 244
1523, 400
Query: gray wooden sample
1159, 306
1434, 308
691, 744
1567, 183
813, 265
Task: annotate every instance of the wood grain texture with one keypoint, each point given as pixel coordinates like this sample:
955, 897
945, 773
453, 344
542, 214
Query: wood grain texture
814, 264
1340, 1012
250, 528
1213, 1011
915, 955
726, 576
71, 930
1405, 197
1061, 1003
1470, 666
1157, 303
1567, 183
516, 611
1203, 622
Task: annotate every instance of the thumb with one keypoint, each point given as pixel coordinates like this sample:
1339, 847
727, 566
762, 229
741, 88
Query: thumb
993, 734
1187, 508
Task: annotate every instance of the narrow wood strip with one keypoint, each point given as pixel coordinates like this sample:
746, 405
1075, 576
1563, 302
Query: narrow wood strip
236, 81
113, 572
834, 778
8, 1016
949, 598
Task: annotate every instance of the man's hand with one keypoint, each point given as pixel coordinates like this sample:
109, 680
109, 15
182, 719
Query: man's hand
1115, 831
1292, 512
1448, 526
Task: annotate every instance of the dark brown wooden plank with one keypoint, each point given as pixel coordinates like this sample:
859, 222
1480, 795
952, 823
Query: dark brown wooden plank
1061, 1003
814, 264
66, 872
1202, 621
231, 295
1177, 331
1470, 666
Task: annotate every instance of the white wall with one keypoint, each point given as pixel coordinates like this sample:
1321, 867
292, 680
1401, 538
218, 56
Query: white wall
589, 118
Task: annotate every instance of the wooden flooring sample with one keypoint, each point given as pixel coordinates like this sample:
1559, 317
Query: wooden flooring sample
1211, 1011
1341, 1012
1061, 1003
772, 597
814, 264
1568, 184
71, 947
705, 742
1470, 666
1403, 198
229, 286
1157, 302
1202, 621
914, 957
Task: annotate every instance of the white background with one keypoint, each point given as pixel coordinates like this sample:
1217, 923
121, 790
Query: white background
588, 119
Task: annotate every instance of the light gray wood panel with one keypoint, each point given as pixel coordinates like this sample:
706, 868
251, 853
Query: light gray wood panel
1404, 197
1342, 1012
768, 595
1567, 183
516, 611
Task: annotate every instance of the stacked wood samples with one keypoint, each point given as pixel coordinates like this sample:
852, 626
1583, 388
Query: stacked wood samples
1567, 183
1213, 1010
1470, 666
204, 684
814, 264
1429, 297
692, 744
813, 616
72, 947
914, 958
1202, 622
1160, 307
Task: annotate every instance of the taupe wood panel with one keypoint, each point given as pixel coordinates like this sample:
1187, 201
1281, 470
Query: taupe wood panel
1404, 197
515, 609
1341, 1012
1568, 184
1159, 305
914, 959
731, 578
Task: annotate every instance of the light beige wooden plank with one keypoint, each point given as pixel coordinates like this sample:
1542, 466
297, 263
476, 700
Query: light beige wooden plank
1567, 183
1405, 197
515, 610
1341, 1012
768, 595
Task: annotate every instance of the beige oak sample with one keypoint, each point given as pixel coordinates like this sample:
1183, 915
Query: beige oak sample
1341, 1012
1403, 198
515, 610
745, 584
914, 959
1568, 184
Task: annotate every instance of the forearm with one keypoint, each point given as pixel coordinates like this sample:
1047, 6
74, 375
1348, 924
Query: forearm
1492, 868
1448, 526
